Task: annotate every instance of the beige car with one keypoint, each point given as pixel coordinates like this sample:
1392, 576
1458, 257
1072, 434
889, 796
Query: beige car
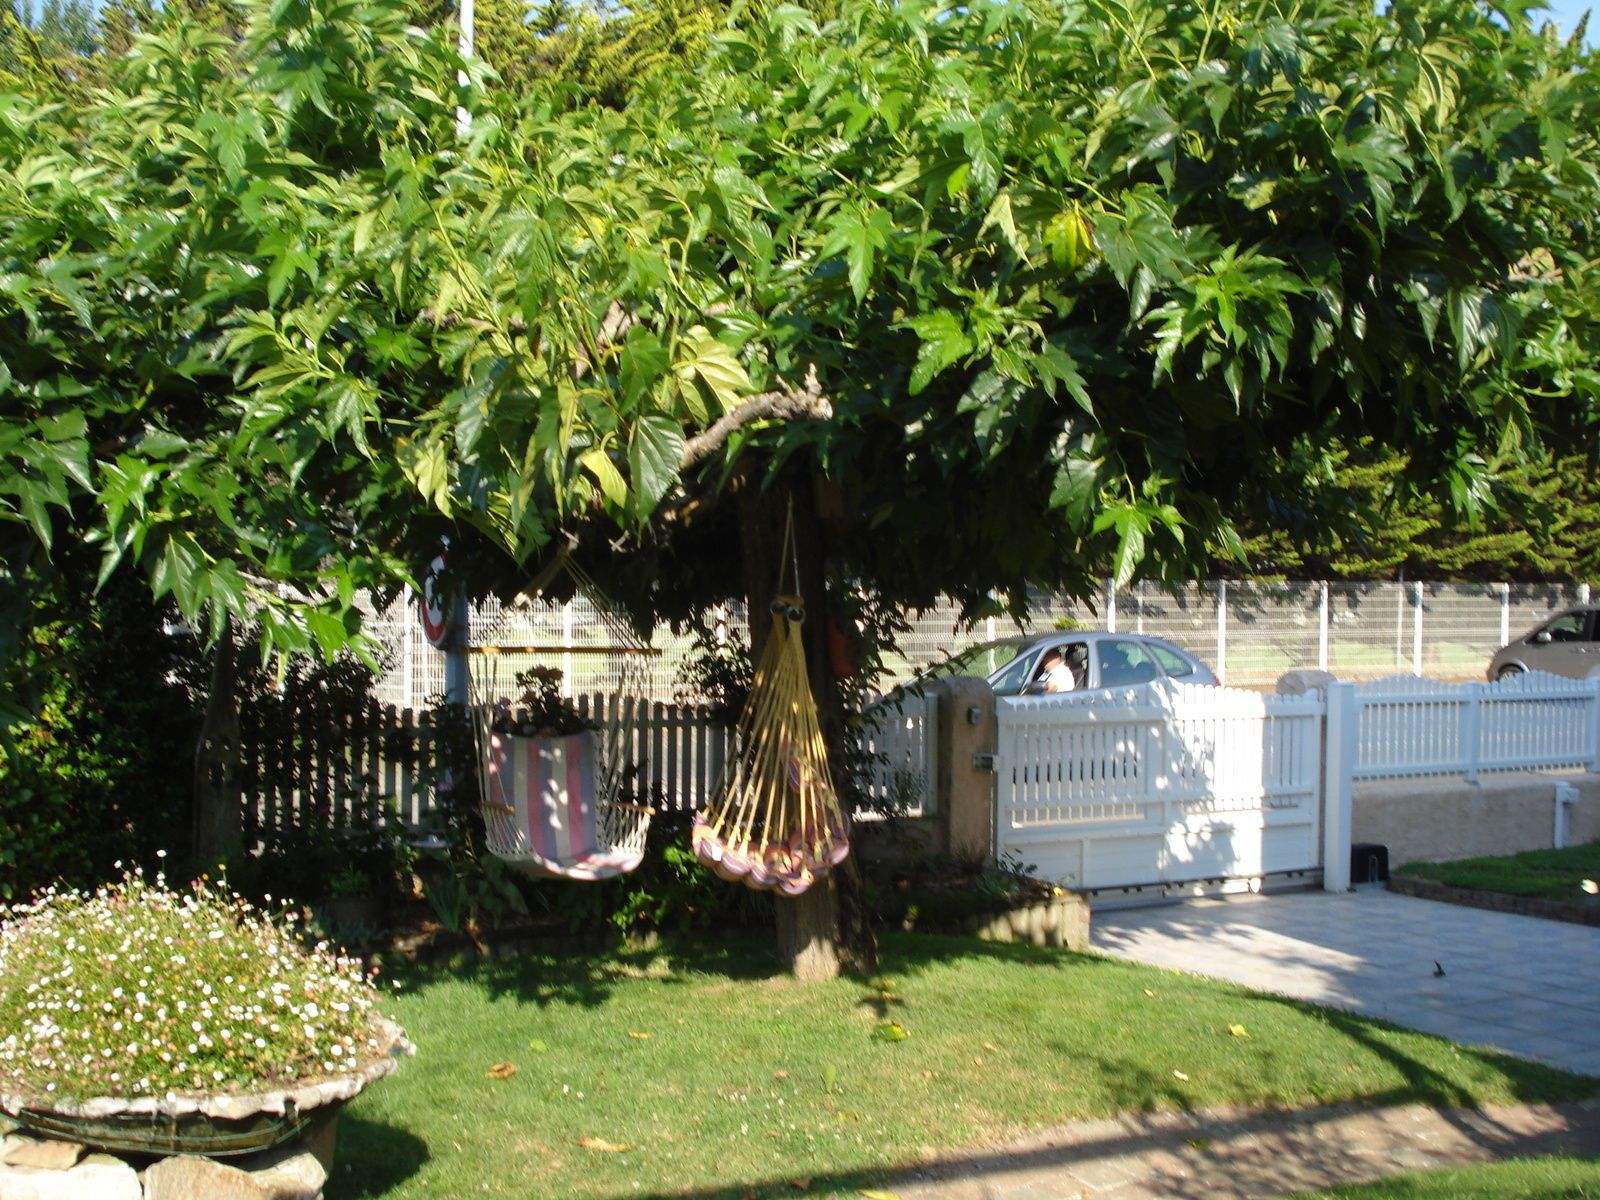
1563, 645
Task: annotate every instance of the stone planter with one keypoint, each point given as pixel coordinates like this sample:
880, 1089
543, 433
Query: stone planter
1062, 921
212, 1126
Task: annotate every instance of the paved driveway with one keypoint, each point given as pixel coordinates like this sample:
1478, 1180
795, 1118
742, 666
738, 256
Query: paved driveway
1524, 985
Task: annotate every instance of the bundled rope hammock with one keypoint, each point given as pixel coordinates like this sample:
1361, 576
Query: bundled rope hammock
774, 822
554, 796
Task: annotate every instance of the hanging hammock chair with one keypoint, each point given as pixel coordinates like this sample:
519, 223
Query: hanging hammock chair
774, 822
554, 800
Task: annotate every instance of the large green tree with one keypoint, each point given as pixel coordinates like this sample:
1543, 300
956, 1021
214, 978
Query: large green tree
1000, 292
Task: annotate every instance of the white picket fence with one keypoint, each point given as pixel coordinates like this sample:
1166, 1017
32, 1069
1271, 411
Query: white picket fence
1409, 726
1177, 786
900, 738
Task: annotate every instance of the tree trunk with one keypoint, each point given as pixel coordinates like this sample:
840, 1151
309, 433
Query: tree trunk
827, 927
218, 827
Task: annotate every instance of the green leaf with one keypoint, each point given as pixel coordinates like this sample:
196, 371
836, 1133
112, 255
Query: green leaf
654, 452
943, 341
857, 233
1054, 366
643, 361
1131, 523
700, 356
1076, 489
1002, 218
1068, 239
598, 463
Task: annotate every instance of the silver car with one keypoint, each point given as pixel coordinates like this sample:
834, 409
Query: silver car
1563, 645
1097, 659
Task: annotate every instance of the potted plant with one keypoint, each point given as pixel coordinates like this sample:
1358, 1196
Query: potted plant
143, 1019
540, 710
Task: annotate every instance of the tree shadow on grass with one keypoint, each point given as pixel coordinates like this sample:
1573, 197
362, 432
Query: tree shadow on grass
587, 977
372, 1158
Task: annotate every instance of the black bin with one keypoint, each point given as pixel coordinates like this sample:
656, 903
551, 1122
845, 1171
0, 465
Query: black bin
1369, 863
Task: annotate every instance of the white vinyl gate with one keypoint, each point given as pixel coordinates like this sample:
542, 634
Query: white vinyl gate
1161, 785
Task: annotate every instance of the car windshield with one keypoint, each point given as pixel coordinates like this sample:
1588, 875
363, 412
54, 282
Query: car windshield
981, 660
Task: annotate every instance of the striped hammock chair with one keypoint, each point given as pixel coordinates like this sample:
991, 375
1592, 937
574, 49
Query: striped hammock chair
556, 805
775, 822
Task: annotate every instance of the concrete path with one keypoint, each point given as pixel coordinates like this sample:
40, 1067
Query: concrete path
1221, 1154
1527, 986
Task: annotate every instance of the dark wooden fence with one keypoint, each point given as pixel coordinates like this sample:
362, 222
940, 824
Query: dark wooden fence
348, 765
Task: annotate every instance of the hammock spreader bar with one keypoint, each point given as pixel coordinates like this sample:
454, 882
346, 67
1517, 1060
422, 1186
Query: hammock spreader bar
775, 822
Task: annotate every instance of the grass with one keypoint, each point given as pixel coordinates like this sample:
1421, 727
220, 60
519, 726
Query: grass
1518, 1179
1552, 874
692, 1072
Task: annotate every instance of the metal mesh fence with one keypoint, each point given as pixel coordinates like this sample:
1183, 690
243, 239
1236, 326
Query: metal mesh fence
1249, 633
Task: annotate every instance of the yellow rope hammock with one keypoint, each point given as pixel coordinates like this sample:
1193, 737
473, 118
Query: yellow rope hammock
774, 822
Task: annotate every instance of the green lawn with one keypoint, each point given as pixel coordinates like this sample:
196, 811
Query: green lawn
1519, 1179
693, 1072
1553, 874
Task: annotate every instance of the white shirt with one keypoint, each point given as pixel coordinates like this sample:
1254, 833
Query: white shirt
1059, 678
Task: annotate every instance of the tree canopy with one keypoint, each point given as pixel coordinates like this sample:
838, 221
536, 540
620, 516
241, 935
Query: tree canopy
1033, 286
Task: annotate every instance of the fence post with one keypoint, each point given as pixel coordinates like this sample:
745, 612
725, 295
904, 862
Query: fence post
1323, 623
1416, 629
1505, 614
1472, 731
965, 821
1338, 777
1111, 604
1222, 631
1594, 724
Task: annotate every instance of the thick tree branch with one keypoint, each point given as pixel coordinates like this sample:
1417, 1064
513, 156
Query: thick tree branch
806, 403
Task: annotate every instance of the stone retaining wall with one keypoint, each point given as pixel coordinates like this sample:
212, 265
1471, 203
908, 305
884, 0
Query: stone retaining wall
1527, 906
33, 1168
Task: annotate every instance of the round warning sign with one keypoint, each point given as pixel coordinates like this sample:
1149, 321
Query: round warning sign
435, 625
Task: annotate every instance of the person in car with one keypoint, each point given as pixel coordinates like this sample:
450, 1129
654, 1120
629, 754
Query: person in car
1056, 674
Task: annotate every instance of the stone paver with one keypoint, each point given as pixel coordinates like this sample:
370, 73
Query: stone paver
1520, 984
1524, 985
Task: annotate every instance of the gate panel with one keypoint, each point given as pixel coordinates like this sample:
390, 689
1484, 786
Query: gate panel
1163, 784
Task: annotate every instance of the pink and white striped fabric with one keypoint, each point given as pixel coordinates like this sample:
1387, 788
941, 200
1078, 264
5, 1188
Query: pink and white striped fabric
541, 812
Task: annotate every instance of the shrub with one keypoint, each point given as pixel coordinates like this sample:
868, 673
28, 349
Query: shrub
138, 990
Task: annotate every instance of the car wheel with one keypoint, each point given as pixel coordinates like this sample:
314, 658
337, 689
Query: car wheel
1510, 672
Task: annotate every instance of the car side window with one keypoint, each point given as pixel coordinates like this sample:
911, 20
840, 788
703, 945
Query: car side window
1014, 677
1173, 664
1568, 627
1123, 663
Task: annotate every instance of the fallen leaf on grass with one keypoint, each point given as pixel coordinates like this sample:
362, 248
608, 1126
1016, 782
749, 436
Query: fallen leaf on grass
1199, 1143
1238, 1031
1177, 1074
780, 1074
878, 1196
537, 1046
1149, 993
594, 1143
643, 1037
801, 1185
502, 1070
890, 1031
991, 1047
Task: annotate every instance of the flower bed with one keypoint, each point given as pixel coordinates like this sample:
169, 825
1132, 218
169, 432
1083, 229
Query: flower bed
136, 1011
